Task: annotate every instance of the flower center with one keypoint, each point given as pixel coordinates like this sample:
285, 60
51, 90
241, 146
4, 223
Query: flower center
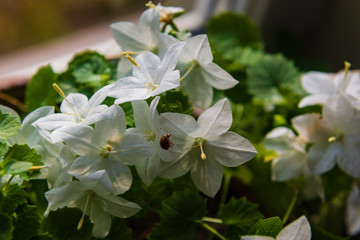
105, 152
149, 135
336, 138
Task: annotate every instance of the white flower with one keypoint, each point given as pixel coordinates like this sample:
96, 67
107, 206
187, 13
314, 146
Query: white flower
291, 159
147, 122
321, 86
207, 144
297, 230
336, 137
145, 37
105, 147
200, 74
75, 109
151, 76
90, 194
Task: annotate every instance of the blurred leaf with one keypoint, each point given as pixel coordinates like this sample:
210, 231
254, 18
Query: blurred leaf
242, 43
240, 215
62, 224
27, 223
19, 159
39, 91
267, 227
6, 227
178, 216
13, 197
9, 126
271, 77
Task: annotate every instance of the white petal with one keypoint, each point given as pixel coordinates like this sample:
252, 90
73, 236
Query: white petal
119, 175
132, 149
77, 102
119, 207
148, 169
230, 149
83, 165
297, 230
110, 127
129, 89
217, 77
176, 168
197, 48
322, 157
313, 100
290, 165
215, 120
349, 160
148, 63
170, 59
280, 139
100, 218
54, 121
206, 174
96, 99
318, 83
139, 109
352, 212
171, 80
256, 238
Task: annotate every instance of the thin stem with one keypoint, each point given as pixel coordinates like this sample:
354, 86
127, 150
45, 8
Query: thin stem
212, 220
188, 71
173, 25
212, 230
13, 101
225, 190
164, 27
291, 206
81, 222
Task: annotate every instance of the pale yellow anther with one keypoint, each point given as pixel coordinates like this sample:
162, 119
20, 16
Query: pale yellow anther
202, 155
35, 168
150, 5
332, 139
81, 222
58, 90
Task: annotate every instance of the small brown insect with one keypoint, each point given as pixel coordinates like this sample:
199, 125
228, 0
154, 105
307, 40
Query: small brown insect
165, 141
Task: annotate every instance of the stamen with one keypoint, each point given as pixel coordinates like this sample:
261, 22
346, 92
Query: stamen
61, 93
132, 60
150, 5
332, 139
193, 64
128, 53
81, 222
203, 156
35, 168
346, 69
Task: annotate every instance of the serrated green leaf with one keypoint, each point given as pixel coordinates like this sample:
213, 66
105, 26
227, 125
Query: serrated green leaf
39, 91
91, 68
27, 223
178, 216
241, 215
267, 227
235, 37
270, 79
17, 159
14, 196
9, 126
62, 224
6, 227
3, 148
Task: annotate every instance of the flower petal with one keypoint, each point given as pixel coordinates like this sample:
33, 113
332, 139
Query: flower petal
217, 77
297, 230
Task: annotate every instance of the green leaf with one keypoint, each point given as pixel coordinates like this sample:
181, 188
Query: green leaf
3, 148
240, 215
27, 223
6, 227
18, 158
39, 91
91, 68
9, 126
267, 227
62, 224
235, 37
119, 230
271, 78
13, 197
178, 216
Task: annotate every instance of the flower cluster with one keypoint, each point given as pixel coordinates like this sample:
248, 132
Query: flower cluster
87, 148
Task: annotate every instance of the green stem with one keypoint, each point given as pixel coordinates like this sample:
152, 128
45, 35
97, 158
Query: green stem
174, 27
225, 190
212, 230
164, 27
291, 206
212, 220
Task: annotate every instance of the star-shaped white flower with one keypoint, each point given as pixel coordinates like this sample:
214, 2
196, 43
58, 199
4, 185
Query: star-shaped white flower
75, 109
144, 37
147, 122
291, 159
297, 230
200, 74
151, 77
92, 196
321, 86
105, 147
207, 145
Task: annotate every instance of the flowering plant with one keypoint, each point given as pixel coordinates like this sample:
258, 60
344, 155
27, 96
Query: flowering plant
165, 142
